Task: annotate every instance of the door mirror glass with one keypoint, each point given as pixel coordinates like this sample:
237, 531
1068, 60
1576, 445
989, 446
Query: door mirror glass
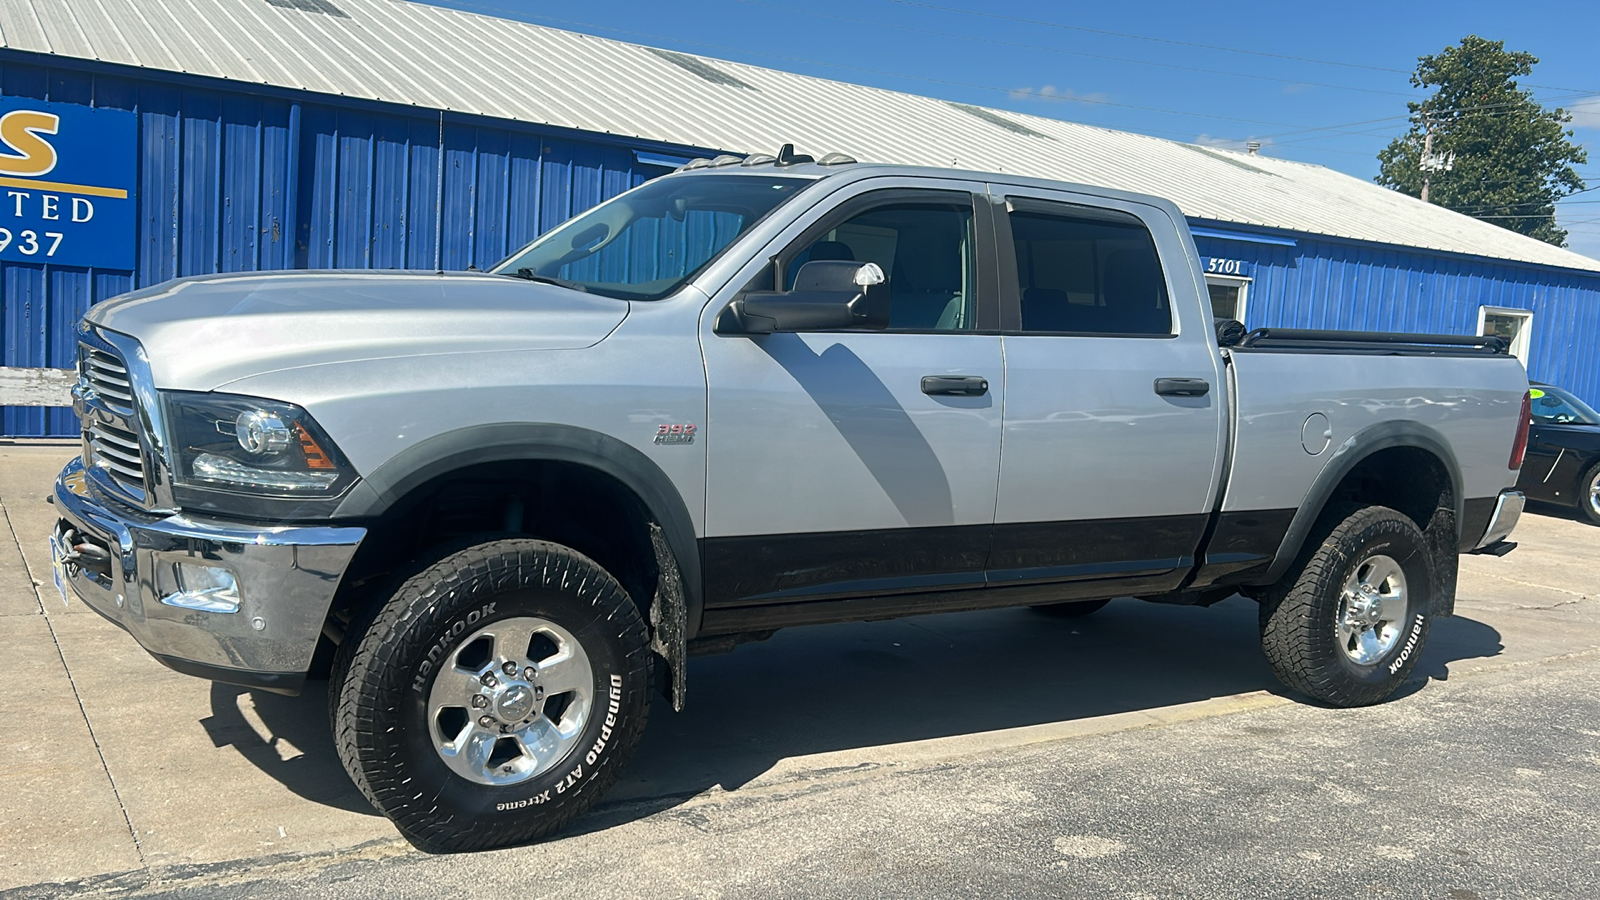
828, 295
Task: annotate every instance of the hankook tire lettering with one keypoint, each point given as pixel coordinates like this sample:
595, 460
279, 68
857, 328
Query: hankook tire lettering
448, 635
1411, 644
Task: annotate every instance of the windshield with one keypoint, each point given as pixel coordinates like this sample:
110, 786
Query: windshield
1554, 406
646, 243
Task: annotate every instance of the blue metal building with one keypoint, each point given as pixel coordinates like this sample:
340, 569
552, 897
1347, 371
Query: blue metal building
242, 165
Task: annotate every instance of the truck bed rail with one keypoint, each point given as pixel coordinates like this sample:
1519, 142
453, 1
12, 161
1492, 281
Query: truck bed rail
1306, 340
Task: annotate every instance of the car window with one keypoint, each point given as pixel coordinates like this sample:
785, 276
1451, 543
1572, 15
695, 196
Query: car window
925, 250
1554, 406
645, 244
1088, 276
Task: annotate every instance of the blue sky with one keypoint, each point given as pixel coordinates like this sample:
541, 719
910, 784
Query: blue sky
1208, 72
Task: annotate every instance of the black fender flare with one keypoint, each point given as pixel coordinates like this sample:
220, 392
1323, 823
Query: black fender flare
1350, 454
441, 454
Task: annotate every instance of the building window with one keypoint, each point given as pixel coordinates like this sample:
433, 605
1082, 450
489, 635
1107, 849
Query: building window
1228, 296
1515, 325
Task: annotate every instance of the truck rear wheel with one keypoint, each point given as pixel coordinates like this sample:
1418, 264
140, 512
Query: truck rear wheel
1346, 624
495, 696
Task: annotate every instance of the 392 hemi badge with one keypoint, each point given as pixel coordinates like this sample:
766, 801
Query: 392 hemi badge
675, 434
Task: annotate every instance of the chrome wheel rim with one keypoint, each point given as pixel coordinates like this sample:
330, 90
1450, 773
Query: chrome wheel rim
1373, 609
510, 702
1594, 493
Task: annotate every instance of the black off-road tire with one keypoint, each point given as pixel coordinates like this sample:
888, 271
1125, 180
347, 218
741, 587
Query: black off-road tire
1586, 506
1071, 610
1299, 614
342, 655
382, 730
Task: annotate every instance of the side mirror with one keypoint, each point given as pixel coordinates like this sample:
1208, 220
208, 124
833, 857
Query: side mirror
828, 295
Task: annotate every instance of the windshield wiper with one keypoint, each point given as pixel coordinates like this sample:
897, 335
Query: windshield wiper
530, 275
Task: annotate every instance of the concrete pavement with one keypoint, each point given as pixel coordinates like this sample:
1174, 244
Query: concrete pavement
124, 775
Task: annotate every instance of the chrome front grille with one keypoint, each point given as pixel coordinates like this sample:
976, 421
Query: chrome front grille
118, 450
108, 377
110, 419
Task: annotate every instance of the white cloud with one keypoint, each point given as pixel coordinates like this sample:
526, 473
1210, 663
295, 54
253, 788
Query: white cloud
1051, 92
1585, 112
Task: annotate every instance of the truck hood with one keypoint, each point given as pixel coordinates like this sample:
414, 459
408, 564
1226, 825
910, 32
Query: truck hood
202, 333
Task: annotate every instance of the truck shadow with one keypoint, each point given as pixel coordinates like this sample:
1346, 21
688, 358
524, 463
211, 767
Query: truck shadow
287, 738
859, 686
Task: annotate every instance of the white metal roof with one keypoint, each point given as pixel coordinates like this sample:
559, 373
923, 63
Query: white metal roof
436, 58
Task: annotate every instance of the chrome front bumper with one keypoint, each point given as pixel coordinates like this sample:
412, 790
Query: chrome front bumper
1507, 510
286, 579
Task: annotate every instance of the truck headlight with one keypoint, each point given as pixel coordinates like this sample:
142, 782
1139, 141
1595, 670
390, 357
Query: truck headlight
247, 445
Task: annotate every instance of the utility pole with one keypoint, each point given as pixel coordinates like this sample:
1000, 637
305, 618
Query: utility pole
1427, 156
1430, 163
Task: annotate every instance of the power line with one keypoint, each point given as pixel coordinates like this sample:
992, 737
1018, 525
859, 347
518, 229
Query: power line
1144, 37
1406, 117
1010, 92
1065, 52
1160, 40
1470, 210
1338, 130
891, 74
1537, 216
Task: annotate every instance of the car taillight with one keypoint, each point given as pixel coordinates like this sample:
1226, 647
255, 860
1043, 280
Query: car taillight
1519, 446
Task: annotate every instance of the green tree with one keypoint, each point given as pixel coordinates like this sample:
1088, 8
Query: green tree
1512, 158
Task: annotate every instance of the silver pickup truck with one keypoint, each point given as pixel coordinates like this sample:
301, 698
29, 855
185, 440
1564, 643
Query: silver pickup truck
501, 508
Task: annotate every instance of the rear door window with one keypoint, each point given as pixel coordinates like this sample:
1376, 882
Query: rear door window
1087, 275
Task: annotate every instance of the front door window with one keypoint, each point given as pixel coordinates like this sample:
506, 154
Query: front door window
926, 252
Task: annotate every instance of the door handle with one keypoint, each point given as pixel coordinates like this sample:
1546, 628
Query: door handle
1182, 387
955, 385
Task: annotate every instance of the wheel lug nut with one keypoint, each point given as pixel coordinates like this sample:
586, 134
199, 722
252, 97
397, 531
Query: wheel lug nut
486, 721
538, 692
479, 701
489, 680
510, 669
528, 673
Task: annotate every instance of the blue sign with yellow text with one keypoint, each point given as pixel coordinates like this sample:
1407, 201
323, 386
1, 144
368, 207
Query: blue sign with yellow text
67, 184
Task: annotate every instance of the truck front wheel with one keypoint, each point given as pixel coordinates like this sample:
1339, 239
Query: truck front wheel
1346, 624
495, 696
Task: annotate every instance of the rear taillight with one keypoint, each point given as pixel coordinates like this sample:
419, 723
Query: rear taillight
1519, 447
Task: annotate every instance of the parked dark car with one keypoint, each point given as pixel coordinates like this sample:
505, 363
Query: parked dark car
1563, 462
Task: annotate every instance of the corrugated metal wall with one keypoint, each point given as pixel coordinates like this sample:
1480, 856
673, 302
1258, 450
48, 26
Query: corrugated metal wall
1332, 284
232, 182
237, 181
